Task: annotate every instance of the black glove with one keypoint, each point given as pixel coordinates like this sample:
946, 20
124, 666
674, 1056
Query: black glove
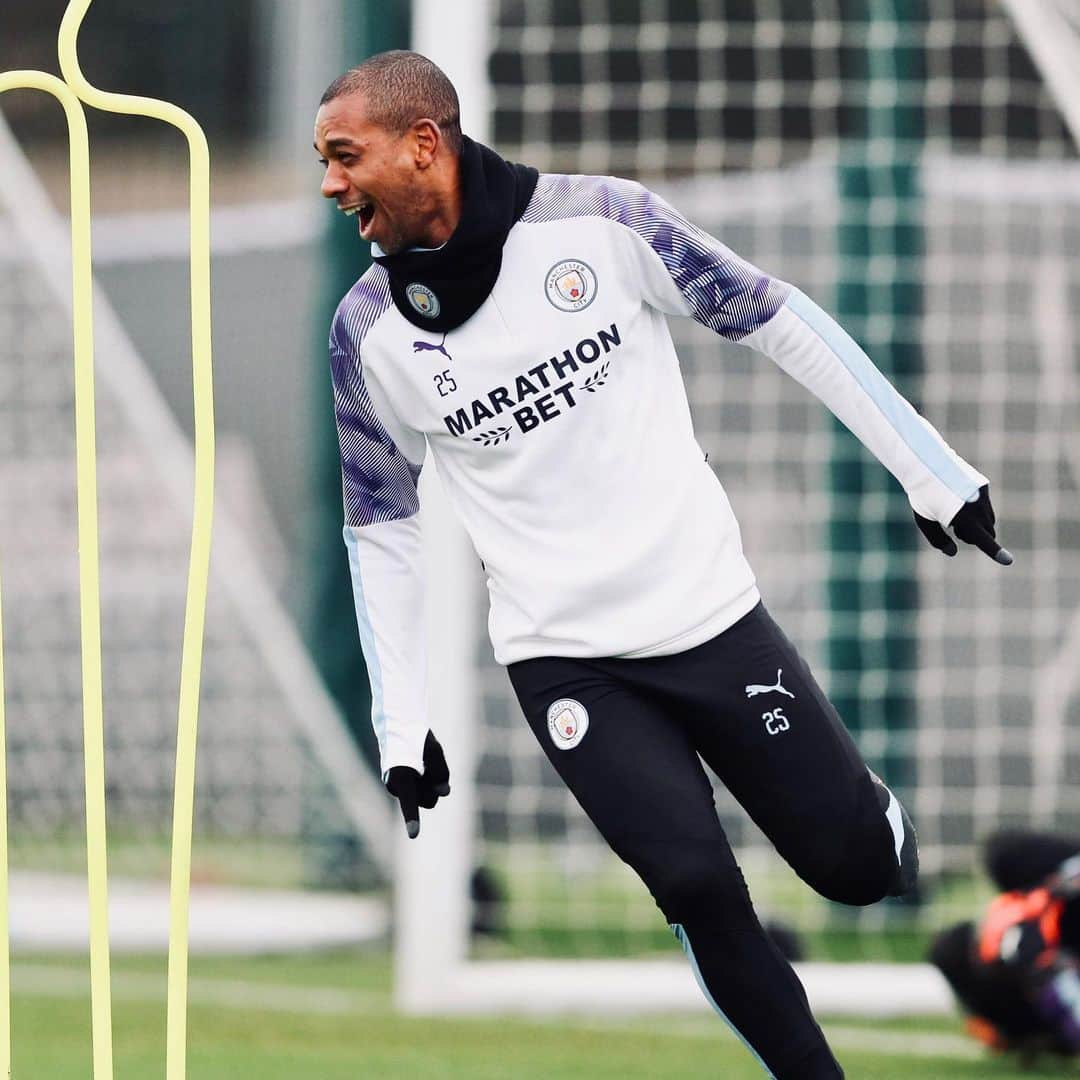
413, 790
974, 524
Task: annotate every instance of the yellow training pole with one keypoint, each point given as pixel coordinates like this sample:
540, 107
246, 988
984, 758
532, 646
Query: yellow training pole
89, 583
5, 931
199, 567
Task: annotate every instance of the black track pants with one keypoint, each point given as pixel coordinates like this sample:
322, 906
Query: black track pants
625, 736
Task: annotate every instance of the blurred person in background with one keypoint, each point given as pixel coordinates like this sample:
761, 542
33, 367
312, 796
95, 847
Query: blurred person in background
1016, 972
514, 324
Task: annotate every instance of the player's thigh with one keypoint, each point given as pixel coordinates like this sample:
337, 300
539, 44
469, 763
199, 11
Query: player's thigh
634, 772
766, 728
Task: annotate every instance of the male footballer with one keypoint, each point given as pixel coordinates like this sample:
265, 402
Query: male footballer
514, 326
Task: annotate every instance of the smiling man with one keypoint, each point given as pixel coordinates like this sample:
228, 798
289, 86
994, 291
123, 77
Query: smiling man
376, 181
514, 327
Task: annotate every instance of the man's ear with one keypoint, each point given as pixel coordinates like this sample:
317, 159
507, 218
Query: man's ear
427, 139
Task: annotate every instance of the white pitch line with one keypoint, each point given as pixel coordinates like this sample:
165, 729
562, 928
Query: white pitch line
890, 1041
45, 980
868, 1039
58, 982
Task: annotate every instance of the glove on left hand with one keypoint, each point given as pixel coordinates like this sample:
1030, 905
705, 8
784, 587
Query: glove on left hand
973, 523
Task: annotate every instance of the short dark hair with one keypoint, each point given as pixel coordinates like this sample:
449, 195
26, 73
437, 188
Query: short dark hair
399, 88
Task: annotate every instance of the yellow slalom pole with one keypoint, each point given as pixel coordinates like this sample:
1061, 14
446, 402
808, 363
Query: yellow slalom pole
199, 567
89, 572
5, 929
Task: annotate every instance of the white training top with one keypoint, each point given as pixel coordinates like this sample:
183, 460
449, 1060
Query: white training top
559, 421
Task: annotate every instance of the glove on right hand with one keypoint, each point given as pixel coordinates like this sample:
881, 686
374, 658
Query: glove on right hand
413, 791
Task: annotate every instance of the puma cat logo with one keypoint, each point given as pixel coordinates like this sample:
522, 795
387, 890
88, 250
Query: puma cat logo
756, 688
427, 346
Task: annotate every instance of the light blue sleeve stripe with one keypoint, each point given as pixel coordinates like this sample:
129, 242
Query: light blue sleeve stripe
367, 640
893, 407
684, 941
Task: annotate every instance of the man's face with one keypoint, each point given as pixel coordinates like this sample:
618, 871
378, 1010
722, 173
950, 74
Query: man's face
372, 173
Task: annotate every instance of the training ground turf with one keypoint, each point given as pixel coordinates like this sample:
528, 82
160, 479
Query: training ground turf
327, 1017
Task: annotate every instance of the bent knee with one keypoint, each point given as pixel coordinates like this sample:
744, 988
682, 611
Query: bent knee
857, 883
864, 869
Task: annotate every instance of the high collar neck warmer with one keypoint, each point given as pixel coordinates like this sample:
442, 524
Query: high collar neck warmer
439, 290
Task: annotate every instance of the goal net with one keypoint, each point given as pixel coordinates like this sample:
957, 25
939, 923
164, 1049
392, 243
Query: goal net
908, 166
282, 799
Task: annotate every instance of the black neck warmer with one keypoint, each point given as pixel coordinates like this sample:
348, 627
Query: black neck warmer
439, 290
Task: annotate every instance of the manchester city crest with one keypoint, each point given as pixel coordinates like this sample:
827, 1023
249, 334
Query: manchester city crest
423, 300
570, 285
568, 720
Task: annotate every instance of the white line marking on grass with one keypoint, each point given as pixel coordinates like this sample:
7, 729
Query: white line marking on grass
868, 1039
891, 1041
47, 980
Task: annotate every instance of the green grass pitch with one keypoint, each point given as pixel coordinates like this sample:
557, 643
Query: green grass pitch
328, 1017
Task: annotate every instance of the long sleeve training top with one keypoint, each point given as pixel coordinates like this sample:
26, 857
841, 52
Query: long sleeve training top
559, 421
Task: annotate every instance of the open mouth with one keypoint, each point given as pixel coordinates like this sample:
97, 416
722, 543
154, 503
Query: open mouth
365, 211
